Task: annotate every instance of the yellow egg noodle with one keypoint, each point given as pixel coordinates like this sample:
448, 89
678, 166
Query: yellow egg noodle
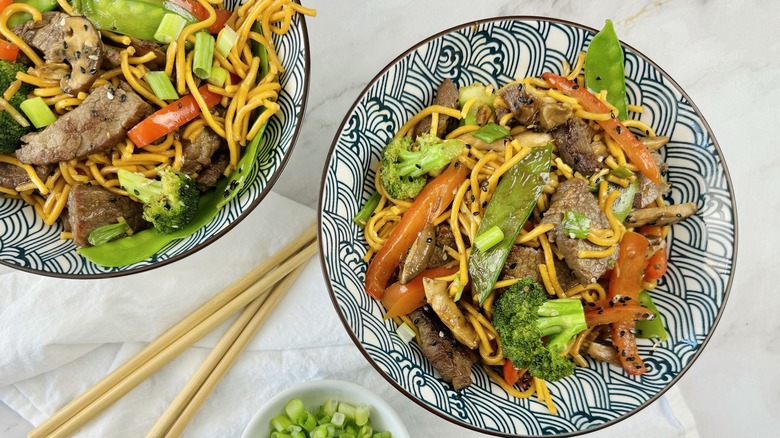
470, 201
239, 100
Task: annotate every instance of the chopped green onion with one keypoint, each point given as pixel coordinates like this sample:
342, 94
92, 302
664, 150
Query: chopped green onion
405, 333
575, 225
330, 407
294, 409
361, 218
170, 27
218, 76
382, 435
275, 434
161, 85
348, 410
622, 172
38, 112
106, 233
489, 238
365, 431
362, 412
226, 39
204, 55
280, 423
338, 419
307, 421
491, 132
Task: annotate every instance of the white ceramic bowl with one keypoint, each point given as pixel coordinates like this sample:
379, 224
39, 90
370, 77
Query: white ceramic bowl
315, 393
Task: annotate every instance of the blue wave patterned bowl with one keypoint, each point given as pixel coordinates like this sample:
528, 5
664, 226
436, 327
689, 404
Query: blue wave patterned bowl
702, 249
28, 244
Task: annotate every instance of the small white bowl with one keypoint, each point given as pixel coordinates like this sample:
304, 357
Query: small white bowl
315, 393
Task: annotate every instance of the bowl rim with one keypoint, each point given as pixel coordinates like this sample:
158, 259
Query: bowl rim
214, 237
376, 402
672, 83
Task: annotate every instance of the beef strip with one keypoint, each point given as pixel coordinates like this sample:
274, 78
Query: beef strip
444, 238
13, 176
90, 207
647, 190
522, 262
573, 139
45, 35
197, 154
446, 95
451, 359
207, 179
99, 123
573, 195
523, 105
566, 277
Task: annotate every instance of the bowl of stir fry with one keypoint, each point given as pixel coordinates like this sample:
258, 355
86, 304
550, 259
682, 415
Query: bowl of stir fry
136, 133
527, 227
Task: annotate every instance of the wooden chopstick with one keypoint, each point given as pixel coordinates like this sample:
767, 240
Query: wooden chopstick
179, 337
192, 396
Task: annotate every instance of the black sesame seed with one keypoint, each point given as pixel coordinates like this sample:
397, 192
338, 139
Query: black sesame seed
83, 70
123, 97
630, 359
476, 213
619, 129
86, 27
598, 78
78, 54
575, 87
623, 353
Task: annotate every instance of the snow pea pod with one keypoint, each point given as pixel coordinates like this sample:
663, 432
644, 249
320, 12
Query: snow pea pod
135, 18
509, 208
653, 328
24, 17
623, 204
605, 68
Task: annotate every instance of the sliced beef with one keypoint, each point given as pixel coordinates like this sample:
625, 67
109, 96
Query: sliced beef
90, 207
142, 47
446, 95
208, 178
523, 105
523, 262
197, 154
647, 190
573, 139
13, 176
566, 277
98, 124
45, 35
573, 195
444, 238
448, 357
112, 57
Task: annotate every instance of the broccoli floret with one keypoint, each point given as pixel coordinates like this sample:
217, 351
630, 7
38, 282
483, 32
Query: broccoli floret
405, 163
523, 315
169, 203
10, 130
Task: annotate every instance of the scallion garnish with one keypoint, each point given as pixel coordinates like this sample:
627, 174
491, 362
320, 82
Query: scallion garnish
226, 40
161, 85
38, 112
489, 238
218, 76
575, 225
204, 55
361, 218
490, 132
170, 27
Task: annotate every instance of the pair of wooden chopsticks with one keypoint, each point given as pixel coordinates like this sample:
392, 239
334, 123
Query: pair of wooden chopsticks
257, 293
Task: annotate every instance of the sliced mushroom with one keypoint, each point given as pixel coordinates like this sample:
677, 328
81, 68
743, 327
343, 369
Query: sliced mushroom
419, 254
655, 143
496, 146
668, 215
449, 313
552, 114
533, 139
601, 352
83, 50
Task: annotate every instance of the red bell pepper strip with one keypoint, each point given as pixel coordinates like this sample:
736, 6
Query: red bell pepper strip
171, 117
8, 51
196, 9
636, 152
435, 197
608, 311
511, 374
656, 265
401, 299
625, 284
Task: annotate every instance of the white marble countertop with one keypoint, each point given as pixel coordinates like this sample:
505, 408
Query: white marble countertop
723, 53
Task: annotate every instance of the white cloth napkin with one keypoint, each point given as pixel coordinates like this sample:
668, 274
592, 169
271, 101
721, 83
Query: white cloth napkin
58, 337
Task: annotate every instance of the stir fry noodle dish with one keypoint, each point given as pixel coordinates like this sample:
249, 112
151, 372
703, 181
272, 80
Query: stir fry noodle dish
523, 228
118, 118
